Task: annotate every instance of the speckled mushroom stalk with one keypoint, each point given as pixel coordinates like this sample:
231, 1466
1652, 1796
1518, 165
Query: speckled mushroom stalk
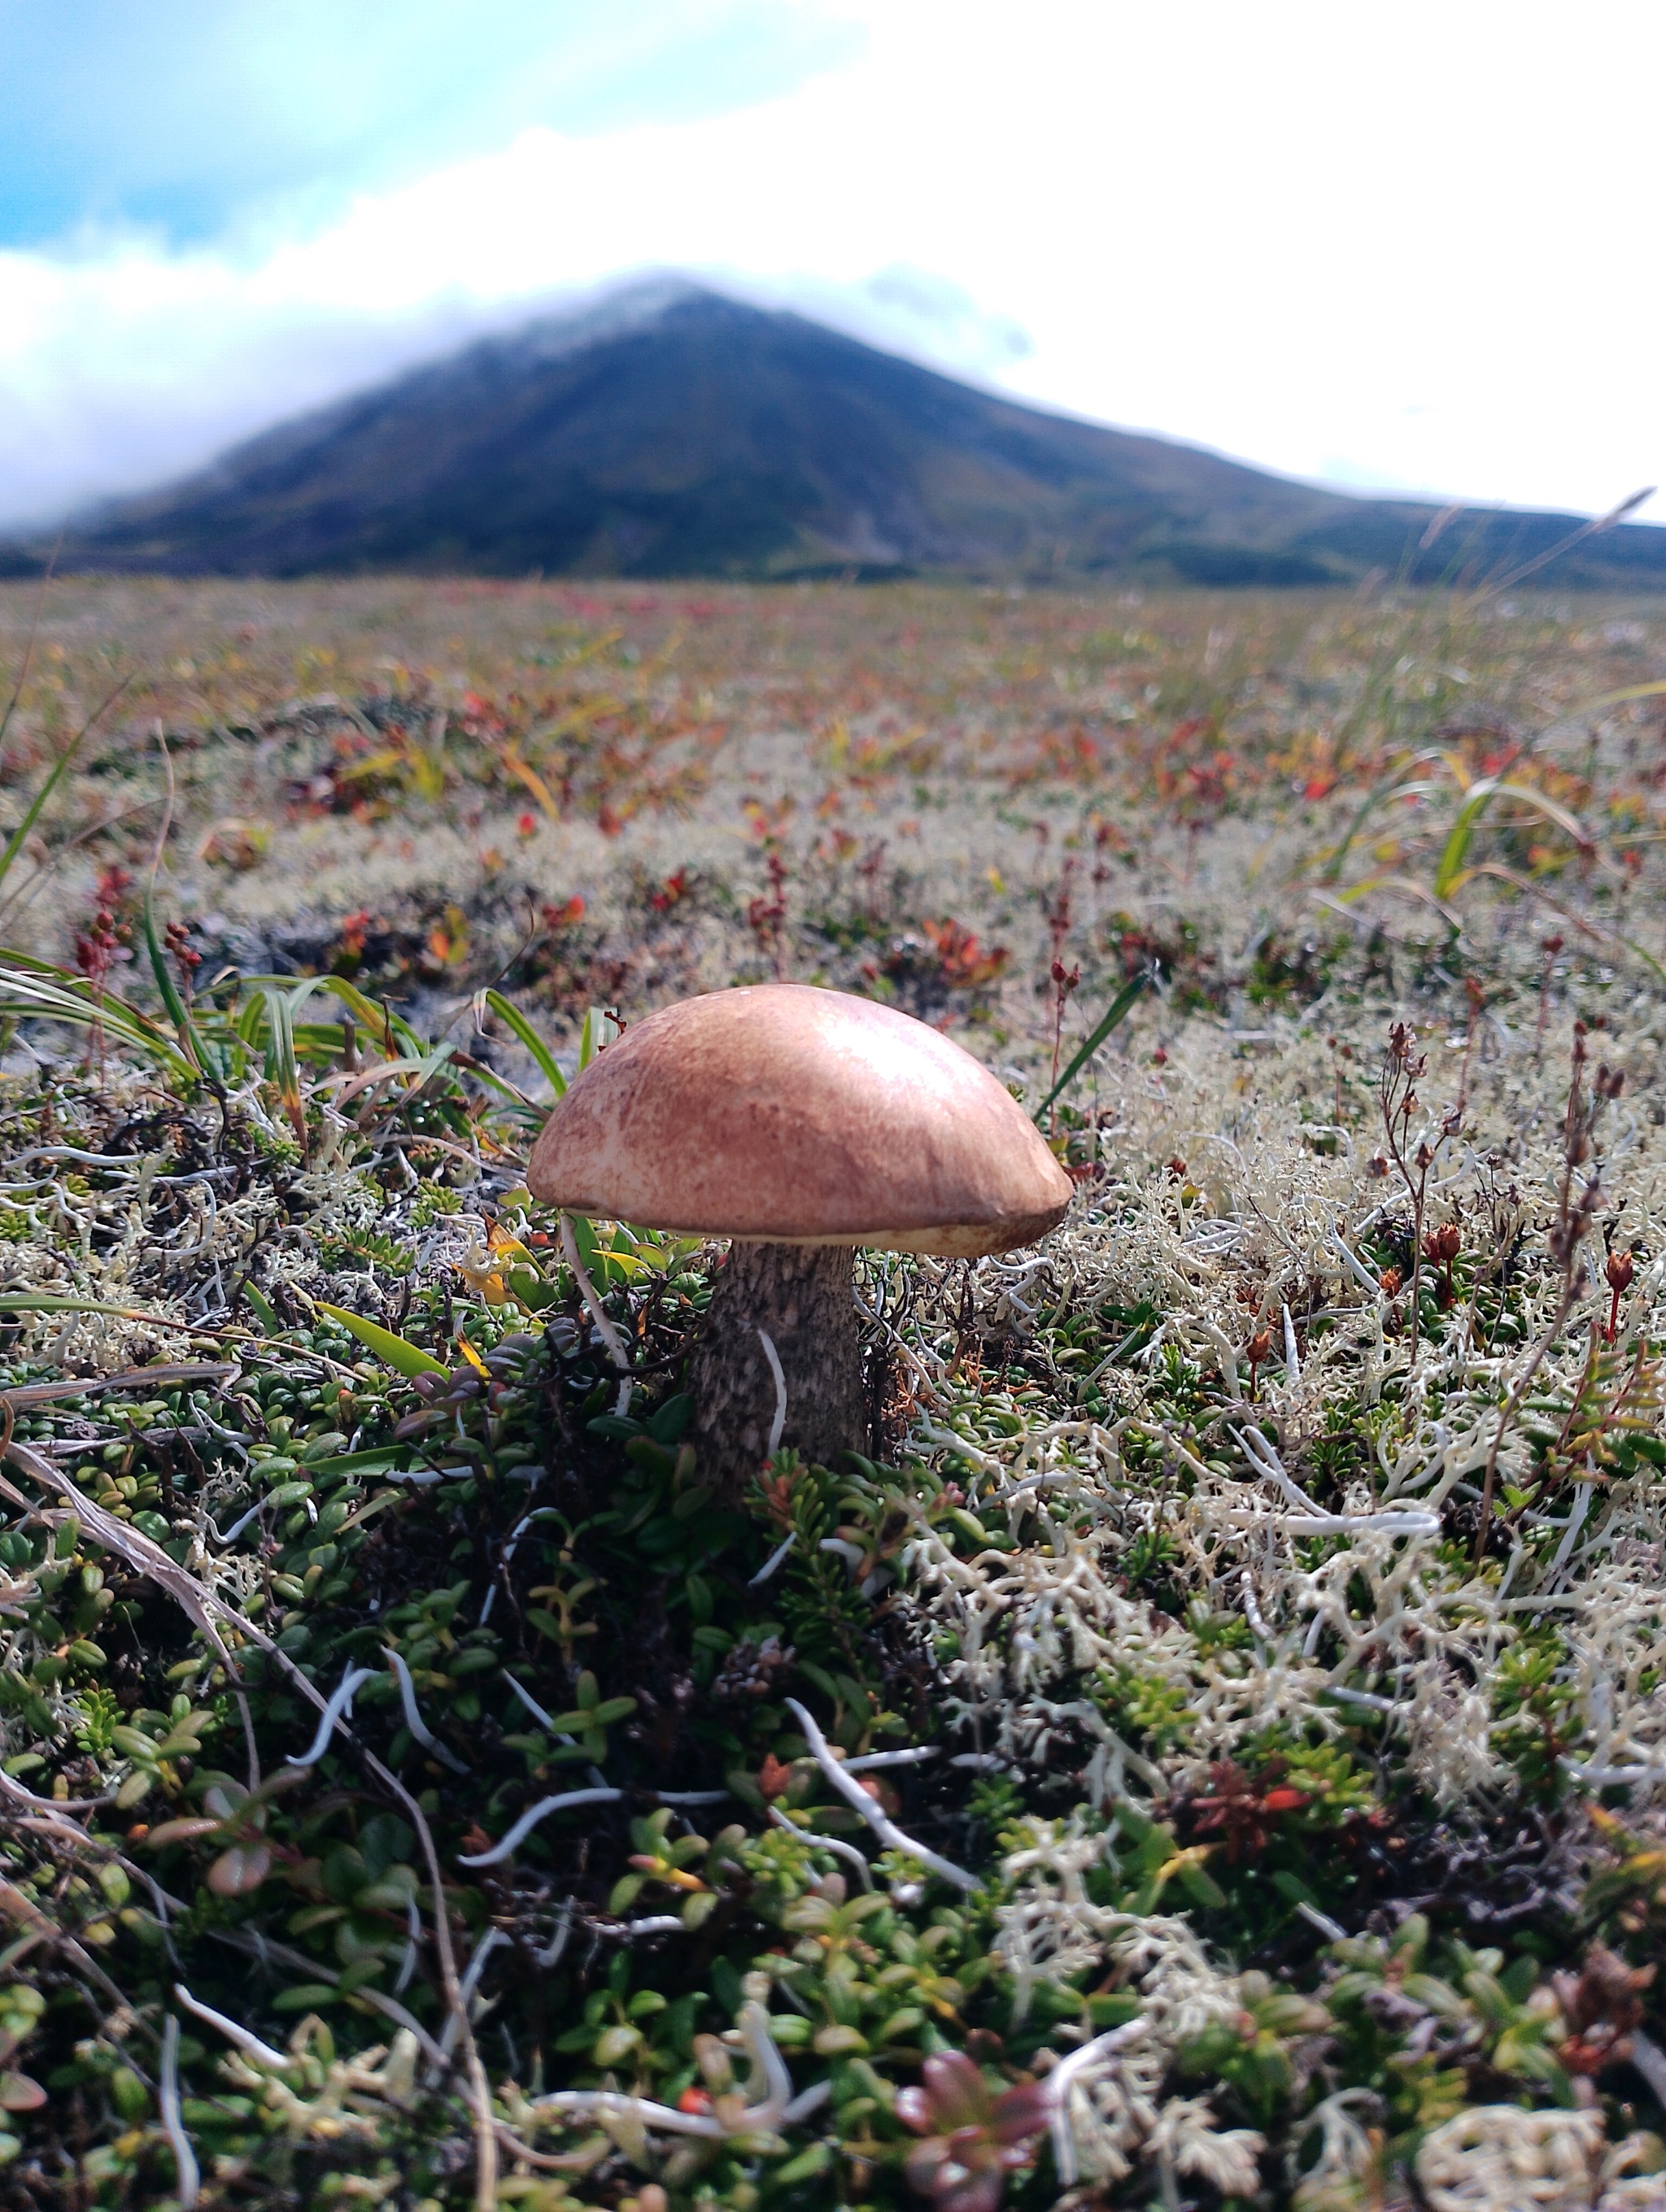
800, 1124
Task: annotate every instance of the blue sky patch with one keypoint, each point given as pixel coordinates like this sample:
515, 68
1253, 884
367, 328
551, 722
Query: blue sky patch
197, 120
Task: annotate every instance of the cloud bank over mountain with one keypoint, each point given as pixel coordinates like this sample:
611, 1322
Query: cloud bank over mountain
667, 430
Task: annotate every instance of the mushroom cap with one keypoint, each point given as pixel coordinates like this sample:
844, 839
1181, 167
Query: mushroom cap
785, 1114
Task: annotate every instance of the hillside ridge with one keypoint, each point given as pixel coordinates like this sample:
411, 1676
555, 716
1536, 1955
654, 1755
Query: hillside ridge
668, 429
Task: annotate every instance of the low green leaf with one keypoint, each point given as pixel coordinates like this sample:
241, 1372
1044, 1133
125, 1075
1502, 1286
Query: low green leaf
306, 1997
264, 1312
405, 1358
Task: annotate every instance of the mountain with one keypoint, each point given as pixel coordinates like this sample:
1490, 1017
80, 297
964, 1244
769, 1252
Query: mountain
676, 432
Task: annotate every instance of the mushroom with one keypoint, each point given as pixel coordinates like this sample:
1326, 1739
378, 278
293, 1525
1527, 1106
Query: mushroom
799, 1123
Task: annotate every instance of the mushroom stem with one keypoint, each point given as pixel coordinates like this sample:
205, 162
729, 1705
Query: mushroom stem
800, 1297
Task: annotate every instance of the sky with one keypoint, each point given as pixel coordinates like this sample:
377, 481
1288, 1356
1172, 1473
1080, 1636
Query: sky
1410, 249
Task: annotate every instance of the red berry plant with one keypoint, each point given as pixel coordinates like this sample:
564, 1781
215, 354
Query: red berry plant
971, 2137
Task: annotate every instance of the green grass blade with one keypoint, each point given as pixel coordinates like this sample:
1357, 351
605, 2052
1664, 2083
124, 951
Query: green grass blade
23, 665
1406, 886
178, 1013
1528, 889
499, 1086
1651, 690
281, 1067
1380, 793
31, 990
378, 1022
511, 1015
60, 768
59, 1302
600, 1029
263, 1310
1647, 958
1118, 1012
319, 1041
428, 1067
403, 1358
1450, 865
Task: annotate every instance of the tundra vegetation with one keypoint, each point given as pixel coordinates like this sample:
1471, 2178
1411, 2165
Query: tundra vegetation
1209, 1753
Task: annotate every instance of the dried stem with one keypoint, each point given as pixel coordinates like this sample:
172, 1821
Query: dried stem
1573, 1222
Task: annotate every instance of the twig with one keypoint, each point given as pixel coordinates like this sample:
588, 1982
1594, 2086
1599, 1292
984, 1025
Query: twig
270, 1953
840, 1851
146, 1558
23, 1909
138, 1379
546, 2161
354, 1679
597, 1313
780, 1421
466, 1988
414, 1721
1567, 1234
174, 2126
882, 1825
775, 1557
1059, 2082
768, 2072
1511, 1405
250, 2045
529, 1820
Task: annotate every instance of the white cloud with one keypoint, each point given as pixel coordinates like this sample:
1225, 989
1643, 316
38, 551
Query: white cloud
1412, 248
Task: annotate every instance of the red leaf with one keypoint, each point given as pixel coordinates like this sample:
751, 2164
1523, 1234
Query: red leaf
1020, 2113
959, 2095
913, 2107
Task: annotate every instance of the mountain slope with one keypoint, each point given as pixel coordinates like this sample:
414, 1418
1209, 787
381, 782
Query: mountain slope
681, 433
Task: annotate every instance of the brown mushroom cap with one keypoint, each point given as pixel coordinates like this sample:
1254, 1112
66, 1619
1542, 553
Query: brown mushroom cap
795, 1115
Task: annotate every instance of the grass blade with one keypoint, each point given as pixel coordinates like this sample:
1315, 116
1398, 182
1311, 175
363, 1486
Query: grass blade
1118, 1012
511, 1015
13, 1302
1449, 867
378, 1021
280, 1068
1591, 529
60, 768
1451, 863
178, 1013
533, 781
23, 665
1408, 886
263, 1310
33, 990
599, 1031
1379, 795
1580, 922
403, 1357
